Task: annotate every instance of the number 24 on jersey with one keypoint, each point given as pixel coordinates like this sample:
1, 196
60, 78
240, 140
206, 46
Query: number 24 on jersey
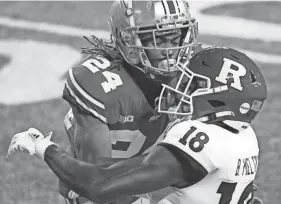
112, 79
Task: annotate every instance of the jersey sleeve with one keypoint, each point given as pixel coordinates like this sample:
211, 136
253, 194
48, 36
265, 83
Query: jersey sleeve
76, 92
84, 90
186, 139
103, 89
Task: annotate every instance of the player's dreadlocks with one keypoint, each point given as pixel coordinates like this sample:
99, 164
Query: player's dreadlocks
101, 47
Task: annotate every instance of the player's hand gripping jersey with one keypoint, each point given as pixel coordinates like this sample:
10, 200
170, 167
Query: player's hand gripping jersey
230, 159
104, 90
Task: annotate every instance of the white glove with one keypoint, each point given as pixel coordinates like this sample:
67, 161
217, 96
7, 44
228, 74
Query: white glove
31, 141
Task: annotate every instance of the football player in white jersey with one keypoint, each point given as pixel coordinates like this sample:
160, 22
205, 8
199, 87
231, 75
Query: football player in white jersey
209, 153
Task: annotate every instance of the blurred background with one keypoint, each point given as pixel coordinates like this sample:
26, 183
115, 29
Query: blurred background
40, 41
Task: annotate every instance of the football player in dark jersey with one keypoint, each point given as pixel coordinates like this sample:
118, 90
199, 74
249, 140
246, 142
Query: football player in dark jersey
113, 91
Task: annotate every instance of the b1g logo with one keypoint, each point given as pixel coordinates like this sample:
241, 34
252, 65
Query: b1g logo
126, 119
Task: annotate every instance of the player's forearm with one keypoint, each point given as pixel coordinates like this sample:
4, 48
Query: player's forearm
157, 170
106, 162
114, 166
87, 180
140, 180
78, 175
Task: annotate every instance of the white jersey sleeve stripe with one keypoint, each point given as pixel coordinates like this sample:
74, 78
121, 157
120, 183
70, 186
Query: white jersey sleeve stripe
81, 91
95, 113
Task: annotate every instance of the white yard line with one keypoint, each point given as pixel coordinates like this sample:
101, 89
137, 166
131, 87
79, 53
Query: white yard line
258, 56
51, 28
233, 26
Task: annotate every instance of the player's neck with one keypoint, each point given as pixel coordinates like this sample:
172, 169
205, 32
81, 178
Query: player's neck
151, 89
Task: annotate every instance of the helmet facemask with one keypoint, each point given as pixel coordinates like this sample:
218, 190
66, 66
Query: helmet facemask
131, 21
166, 66
177, 98
207, 97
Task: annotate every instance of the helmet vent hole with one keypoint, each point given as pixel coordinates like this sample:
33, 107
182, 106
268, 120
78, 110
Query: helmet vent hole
204, 64
216, 103
253, 77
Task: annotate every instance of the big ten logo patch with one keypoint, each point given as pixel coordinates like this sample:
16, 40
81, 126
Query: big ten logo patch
126, 119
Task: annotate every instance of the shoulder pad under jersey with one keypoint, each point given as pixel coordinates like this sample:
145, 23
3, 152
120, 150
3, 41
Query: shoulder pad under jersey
104, 90
189, 138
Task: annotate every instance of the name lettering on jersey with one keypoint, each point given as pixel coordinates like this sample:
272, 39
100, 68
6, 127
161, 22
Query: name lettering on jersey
234, 70
247, 166
126, 119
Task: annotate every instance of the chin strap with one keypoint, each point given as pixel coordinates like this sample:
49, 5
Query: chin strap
238, 125
214, 116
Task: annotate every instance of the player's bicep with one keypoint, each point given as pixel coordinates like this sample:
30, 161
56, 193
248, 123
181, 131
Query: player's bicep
91, 137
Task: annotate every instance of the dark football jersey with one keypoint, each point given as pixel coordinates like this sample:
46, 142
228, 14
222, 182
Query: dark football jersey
105, 90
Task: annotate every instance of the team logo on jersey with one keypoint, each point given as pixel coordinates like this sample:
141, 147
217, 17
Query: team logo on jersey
244, 108
231, 70
126, 119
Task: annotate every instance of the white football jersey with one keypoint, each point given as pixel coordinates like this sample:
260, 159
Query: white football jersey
230, 159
